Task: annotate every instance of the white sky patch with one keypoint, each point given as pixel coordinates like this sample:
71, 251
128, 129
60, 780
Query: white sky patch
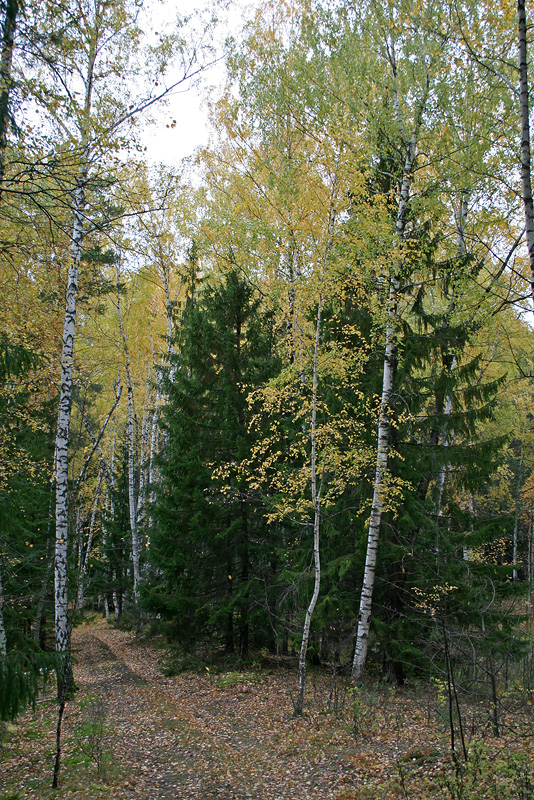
181, 124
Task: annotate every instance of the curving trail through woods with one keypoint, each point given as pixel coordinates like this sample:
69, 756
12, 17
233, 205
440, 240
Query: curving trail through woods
186, 737
201, 736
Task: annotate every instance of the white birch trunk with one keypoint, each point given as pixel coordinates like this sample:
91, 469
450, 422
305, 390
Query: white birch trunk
64, 411
116, 604
526, 164
130, 437
131, 492
63, 426
316, 501
364, 617
384, 422
144, 459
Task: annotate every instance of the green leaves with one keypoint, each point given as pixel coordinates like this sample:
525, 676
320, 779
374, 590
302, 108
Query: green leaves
15, 359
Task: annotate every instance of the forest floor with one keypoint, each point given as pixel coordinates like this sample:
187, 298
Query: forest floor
133, 732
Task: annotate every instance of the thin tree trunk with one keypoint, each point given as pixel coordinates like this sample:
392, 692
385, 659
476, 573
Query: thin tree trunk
116, 601
64, 675
364, 617
63, 430
84, 565
130, 437
6, 58
152, 472
62, 625
131, 492
96, 441
526, 164
144, 459
316, 501
517, 512
384, 420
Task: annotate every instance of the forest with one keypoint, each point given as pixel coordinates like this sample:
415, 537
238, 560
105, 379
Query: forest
272, 405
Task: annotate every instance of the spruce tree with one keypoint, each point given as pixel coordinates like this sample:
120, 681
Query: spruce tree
208, 544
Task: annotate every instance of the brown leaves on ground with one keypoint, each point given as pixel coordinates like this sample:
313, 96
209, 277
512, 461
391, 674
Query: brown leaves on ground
132, 733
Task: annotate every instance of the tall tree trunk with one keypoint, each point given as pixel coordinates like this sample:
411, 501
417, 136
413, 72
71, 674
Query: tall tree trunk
517, 513
130, 437
84, 563
384, 420
152, 471
64, 675
62, 434
6, 59
65, 679
526, 164
316, 501
153, 476
382, 453
144, 459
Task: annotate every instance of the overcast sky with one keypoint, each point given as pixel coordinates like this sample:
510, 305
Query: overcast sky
187, 104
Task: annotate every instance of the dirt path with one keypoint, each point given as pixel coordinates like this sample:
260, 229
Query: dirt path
192, 737
197, 737
232, 736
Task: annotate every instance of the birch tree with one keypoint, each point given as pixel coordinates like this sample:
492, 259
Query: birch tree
11, 11
90, 62
526, 161
131, 424
410, 141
